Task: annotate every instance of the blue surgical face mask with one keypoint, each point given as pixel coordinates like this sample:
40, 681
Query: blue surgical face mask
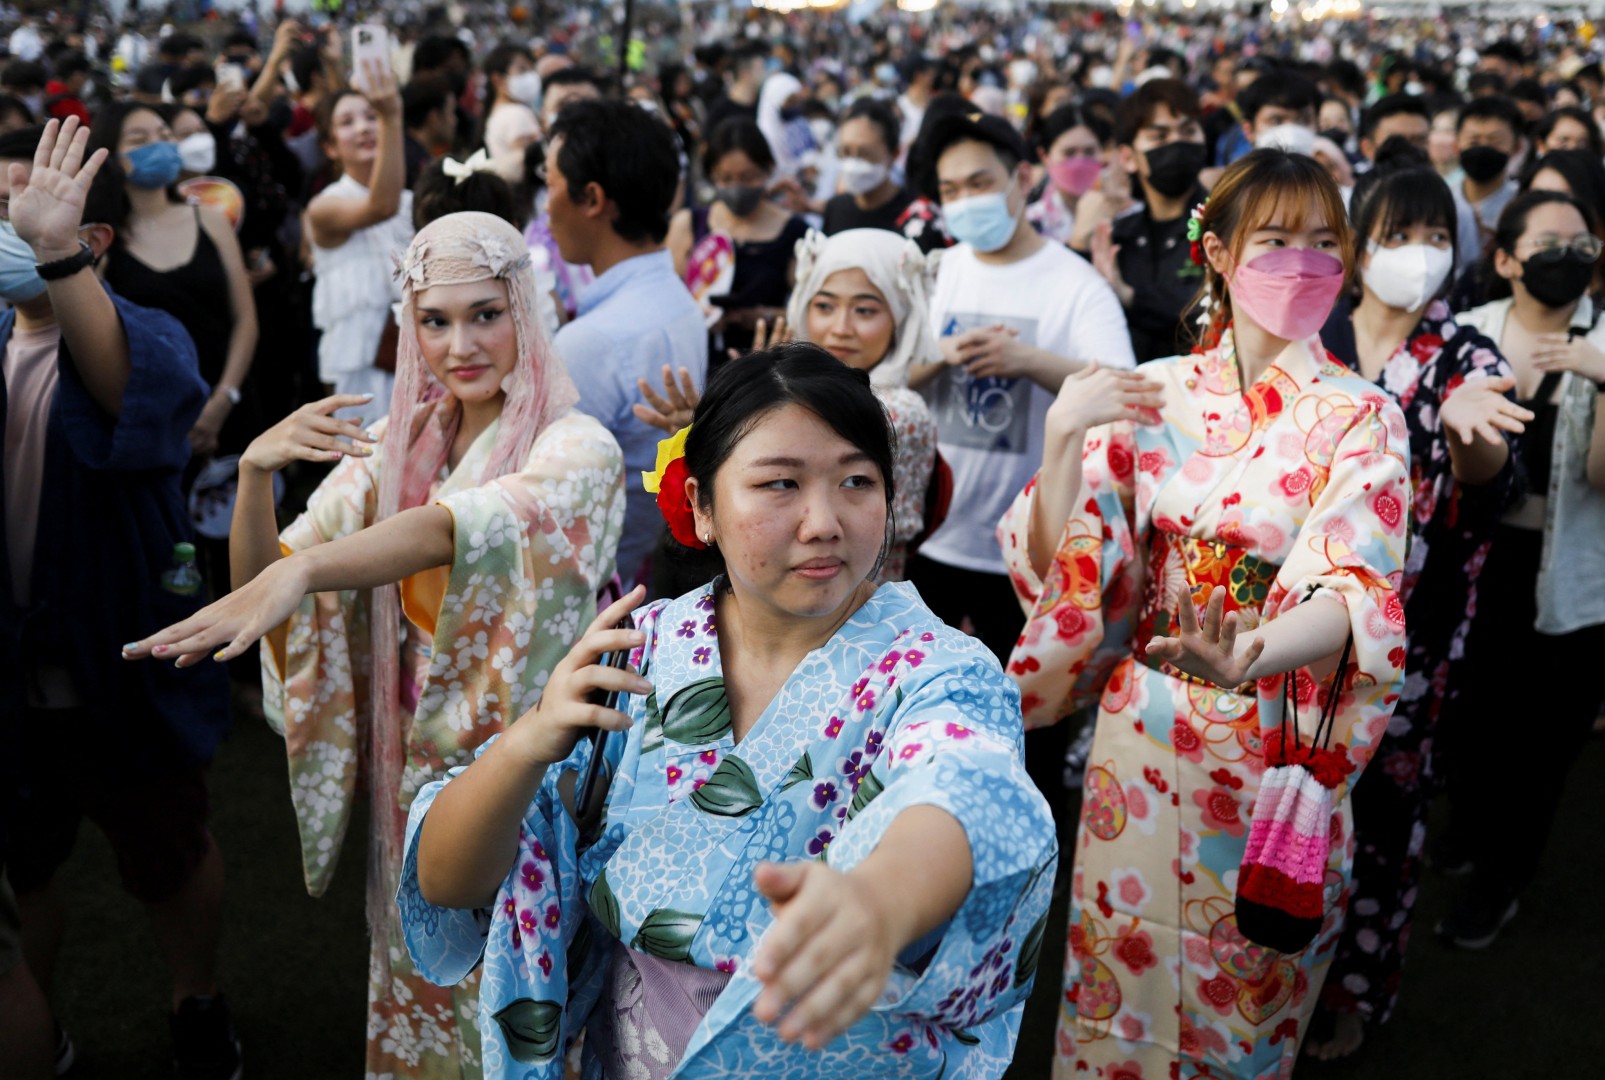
982, 221
19, 274
154, 165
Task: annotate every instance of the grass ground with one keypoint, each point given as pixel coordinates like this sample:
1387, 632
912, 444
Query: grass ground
1531, 1006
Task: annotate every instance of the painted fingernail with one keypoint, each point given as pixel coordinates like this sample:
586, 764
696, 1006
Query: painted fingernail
159, 649
179, 663
218, 655
131, 646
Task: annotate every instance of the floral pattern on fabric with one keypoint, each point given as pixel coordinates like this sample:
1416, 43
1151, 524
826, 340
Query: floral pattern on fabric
1306, 470
914, 429
532, 550
896, 710
1451, 529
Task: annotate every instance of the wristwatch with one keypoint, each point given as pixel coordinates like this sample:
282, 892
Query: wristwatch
65, 268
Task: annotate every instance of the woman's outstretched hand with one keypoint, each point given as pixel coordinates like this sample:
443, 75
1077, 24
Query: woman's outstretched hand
828, 954
311, 433
547, 733
1209, 650
226, 628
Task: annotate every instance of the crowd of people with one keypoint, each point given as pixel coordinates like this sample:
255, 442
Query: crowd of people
761, 504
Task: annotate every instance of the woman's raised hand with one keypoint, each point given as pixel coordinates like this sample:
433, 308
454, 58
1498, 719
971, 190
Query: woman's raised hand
311, 433
1561, 351
547, 733
226, 628
1478, 408
379, 87
828, 954
1208, 650
47, 204
671, 410
1098, 395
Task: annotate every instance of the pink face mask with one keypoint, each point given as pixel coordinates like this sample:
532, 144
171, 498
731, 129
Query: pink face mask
1288, 292
1075, 176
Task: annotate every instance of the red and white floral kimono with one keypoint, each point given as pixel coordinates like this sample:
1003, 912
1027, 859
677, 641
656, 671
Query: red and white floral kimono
1293, 491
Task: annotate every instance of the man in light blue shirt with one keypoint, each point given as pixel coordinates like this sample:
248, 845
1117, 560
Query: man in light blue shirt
611, 173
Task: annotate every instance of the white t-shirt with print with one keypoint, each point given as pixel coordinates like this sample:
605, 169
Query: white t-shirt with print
990, 429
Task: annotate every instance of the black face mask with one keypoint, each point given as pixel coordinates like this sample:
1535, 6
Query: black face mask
1483, 163
740, 199
1337, 135
1173, 168
1557, 278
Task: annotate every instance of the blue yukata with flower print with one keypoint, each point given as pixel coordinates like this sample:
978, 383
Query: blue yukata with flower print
896, 710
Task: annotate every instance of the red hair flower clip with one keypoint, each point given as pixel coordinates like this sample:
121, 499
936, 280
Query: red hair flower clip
667, 482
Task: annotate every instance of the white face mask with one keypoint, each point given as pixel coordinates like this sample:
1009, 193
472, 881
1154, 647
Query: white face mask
823, 130
1409, 276
1293, 138
525, 87
198, 152
861, 177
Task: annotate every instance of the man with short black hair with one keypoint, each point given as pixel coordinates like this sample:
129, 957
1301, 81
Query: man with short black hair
1145, 256
1015, 315
1489, 135
430, 120
1276, 99
611, 173
563, 86
1405, 115
746, 65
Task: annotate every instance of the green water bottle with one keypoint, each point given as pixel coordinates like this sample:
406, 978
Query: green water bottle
184, 578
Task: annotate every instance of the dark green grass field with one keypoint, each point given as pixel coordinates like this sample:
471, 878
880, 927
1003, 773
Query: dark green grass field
1532, 1006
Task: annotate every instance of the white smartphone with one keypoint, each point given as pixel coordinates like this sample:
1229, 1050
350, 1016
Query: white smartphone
230, 77
368, 42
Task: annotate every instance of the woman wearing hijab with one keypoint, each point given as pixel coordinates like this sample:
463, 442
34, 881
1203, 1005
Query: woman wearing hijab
862, 295
438, 574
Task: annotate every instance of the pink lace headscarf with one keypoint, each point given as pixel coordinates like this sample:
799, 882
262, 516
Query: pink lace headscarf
454, 250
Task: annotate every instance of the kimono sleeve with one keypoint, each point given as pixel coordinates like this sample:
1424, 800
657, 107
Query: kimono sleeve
1350, 550
552, 525
956, 744
1079, 618
161, 401
541, 974
915, 431
315, 692
1476, 509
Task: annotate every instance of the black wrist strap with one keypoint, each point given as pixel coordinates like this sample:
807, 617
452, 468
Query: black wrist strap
63, 268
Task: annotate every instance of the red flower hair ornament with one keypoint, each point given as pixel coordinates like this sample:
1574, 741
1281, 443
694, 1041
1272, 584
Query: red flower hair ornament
667, 482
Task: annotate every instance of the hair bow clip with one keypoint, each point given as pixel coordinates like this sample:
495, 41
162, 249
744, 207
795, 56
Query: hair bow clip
462, 170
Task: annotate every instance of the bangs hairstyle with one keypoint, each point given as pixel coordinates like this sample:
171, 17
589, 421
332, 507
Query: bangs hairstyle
1387, 200
1262, 187
744, 391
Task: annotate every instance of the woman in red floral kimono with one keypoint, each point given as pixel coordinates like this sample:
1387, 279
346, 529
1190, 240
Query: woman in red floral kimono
1263, 480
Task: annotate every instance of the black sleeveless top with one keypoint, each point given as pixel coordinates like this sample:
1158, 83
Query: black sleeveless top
197, 295
760, 276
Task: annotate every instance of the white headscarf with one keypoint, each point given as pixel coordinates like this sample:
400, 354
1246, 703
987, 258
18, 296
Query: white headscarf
777, 90
896, 267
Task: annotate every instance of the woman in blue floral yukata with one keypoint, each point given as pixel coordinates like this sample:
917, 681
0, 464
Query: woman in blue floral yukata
820, 854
